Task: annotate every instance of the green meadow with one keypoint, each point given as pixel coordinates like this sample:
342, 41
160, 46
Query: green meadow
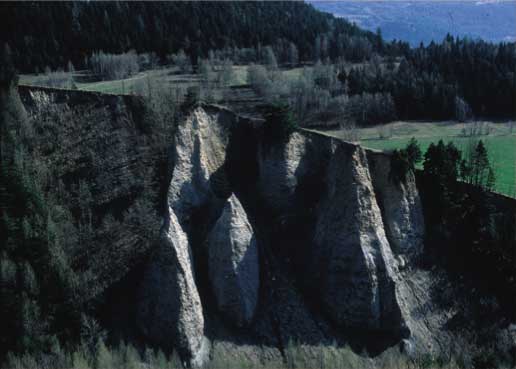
500, 139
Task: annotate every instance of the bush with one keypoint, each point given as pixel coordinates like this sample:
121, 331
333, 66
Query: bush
405, 160
182, 61
258, 78
191, 100
57, 79
486, 359
114, 66
279, 123
121, 356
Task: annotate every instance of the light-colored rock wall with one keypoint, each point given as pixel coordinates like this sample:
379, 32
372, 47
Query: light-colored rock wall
400, 205
233, 264
280, 168
352, 256
170, 311
199, 151
171, 302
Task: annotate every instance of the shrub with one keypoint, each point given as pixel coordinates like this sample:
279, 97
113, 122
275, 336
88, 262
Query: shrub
57, 79
114, 66
258, 78
279, 123
191, 99
182, 61
486, 359
405, 160
104, 357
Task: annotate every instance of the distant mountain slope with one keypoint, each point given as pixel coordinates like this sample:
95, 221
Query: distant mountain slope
424, 21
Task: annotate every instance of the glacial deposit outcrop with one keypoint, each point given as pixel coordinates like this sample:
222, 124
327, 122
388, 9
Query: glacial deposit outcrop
257, 244
170, 299
352, 258
357, 228
237, 246
400, 204
233, 263
170, 310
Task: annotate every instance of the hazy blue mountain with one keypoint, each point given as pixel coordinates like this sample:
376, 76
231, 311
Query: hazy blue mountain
424, 21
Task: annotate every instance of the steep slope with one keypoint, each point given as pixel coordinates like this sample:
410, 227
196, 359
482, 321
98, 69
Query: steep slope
170, 299
320, 184
102, 153
400, 205
233, 263
353, 262
253, 245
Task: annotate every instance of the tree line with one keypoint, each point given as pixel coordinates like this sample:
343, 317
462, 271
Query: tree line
457, 78
468, 232
41, 35
454, 79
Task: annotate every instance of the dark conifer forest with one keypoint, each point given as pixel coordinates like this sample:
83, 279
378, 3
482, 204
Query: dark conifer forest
54, 33
429, 78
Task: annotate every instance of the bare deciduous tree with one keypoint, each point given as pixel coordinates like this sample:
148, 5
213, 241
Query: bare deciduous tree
114, 66
270, 58
462, 110
349, 131
226, 73
182, 61
293, 55
57, 79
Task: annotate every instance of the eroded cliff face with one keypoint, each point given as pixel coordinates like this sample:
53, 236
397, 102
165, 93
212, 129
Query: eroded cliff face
100, 154
255, 244
400, 205
234, 264
170, 302
238, 206
352, 258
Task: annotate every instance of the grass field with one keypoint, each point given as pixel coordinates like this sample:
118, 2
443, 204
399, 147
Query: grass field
500, 141
130, 85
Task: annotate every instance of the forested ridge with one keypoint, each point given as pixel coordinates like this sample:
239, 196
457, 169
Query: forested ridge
457, 78
431, 81
43, 34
